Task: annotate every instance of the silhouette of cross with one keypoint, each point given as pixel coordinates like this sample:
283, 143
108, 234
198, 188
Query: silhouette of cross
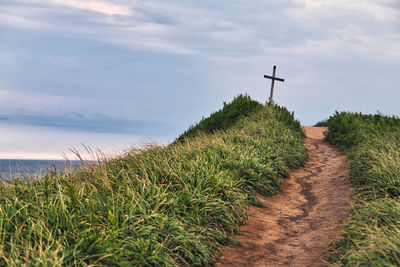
273, 78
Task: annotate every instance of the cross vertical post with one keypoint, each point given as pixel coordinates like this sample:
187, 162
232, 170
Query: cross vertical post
272, 85
273, 78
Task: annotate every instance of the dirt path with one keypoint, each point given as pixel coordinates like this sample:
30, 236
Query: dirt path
298, 225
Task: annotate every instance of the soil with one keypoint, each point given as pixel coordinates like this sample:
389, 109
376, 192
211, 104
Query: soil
298, 225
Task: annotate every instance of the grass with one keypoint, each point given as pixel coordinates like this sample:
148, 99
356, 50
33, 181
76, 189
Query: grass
241, 106
160, 206
371, 236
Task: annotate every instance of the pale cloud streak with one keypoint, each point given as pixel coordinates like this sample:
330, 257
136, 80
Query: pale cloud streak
97, 6
39, 102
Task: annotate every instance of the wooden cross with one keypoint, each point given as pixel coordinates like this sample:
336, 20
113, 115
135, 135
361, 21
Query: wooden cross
273, 78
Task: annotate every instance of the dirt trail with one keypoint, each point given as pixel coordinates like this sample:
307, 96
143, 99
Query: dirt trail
298, 225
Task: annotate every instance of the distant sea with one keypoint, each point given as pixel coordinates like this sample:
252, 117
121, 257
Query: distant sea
10, 168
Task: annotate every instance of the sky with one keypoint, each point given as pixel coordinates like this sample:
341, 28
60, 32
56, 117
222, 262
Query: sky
118, 74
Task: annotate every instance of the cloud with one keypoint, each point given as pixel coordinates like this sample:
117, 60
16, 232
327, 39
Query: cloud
43, 103
215, 31
77, 121
55, 111
97, 6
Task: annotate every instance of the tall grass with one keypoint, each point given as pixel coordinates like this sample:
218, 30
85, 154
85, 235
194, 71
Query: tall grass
372, 235
160, 206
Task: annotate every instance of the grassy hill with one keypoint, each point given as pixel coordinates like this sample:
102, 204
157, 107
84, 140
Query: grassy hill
162, 206
371, 236
241, 106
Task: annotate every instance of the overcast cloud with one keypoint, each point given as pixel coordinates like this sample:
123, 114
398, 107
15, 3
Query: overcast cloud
152, 68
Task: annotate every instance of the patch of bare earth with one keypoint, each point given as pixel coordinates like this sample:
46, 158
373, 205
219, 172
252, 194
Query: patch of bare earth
298, 225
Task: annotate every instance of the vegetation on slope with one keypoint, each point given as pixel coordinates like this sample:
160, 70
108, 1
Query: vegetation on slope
240, 107
321, 123
372, 234
161, 206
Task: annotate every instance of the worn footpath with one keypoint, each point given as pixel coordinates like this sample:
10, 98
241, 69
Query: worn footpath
298, 225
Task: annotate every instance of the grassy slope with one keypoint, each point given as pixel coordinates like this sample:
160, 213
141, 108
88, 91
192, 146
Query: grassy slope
159, 206
372, 234
241, 106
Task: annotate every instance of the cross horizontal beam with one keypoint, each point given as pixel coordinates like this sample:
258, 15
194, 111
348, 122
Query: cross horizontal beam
274, 78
